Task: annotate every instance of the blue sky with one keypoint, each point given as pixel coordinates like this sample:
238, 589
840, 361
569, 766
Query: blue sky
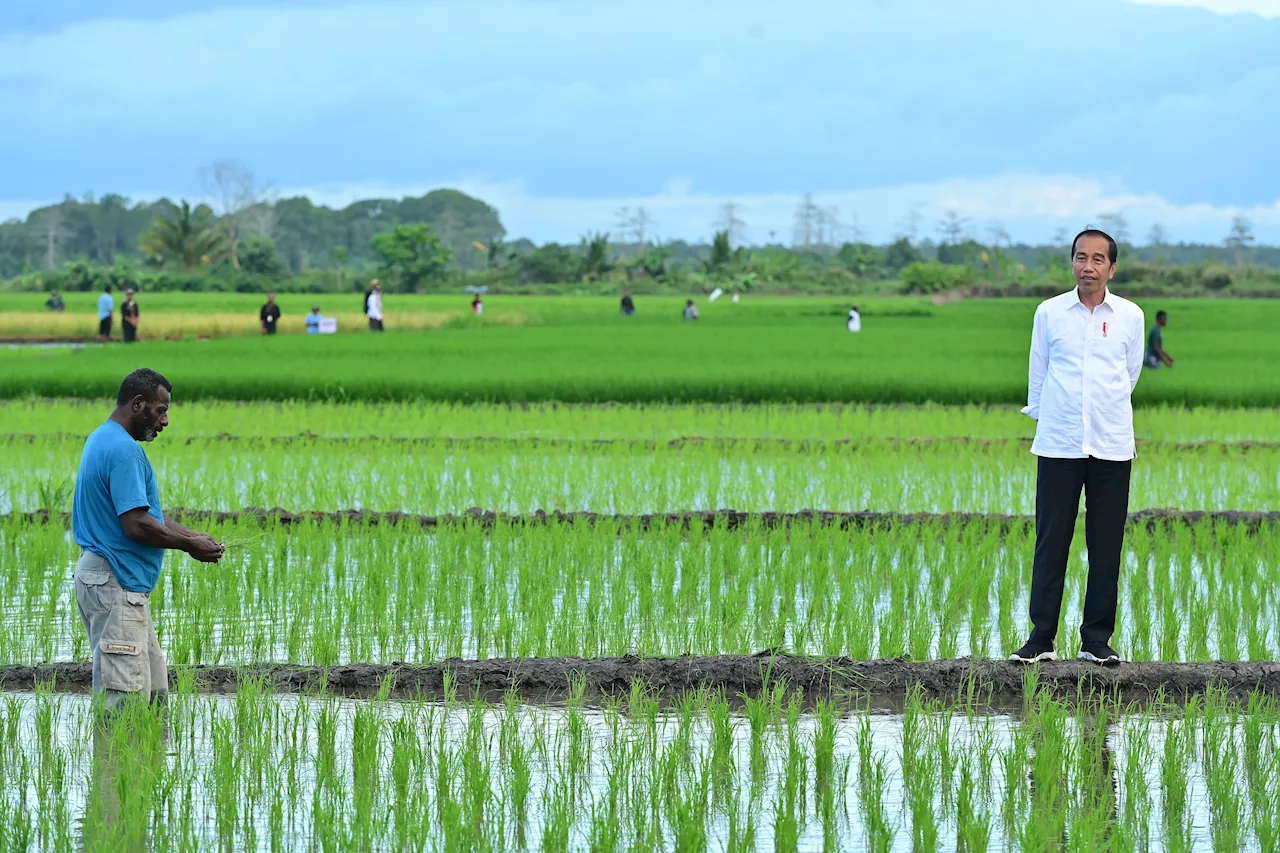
1033, 115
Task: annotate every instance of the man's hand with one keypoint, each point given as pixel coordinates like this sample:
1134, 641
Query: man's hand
204, 548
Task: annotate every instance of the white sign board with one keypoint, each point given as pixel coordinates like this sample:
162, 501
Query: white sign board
328, 325
716, 294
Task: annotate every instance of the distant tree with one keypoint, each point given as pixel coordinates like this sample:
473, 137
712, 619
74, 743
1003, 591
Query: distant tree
655, 261
1240, 238
1156, 237
258, 256
967, 252
52, 224
909, 226
635, 225
730, 222
338, 256
1116, 225
595, 257
952, 226
808, 222
550, 264
721, 252
188, 238
997, 233
411, 256
899, 254
236, 192
861, 259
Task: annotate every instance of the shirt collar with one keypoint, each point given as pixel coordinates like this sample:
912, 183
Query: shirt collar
1105, 303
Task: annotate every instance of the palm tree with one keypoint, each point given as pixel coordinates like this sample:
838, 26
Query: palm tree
190, 239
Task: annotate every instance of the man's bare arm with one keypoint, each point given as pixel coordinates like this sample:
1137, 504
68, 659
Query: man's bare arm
140, 526
178, 528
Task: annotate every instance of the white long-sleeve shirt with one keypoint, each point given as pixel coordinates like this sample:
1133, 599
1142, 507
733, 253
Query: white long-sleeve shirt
375, 306
1084, 367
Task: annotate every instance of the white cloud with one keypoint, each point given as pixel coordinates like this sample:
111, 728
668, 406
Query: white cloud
1265, 8
1029, 206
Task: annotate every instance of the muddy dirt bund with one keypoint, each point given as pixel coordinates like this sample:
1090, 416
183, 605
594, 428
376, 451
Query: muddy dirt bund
726, 518
985, 681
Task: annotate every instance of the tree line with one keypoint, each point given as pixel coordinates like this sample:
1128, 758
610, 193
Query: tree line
245, 239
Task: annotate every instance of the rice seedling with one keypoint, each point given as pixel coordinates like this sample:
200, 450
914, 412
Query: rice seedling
534, 422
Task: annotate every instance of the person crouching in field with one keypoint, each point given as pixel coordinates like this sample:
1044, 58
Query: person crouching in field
117, 521
854, 321
1156, 355
1086, 358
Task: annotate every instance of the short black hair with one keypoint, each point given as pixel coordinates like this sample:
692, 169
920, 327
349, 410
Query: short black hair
1160, 314
143, 382
1113, 251
106, 289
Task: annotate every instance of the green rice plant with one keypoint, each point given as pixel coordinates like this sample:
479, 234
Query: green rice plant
776, 349
449, 477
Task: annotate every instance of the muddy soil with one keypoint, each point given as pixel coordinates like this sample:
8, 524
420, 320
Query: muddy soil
883, 681
727, 518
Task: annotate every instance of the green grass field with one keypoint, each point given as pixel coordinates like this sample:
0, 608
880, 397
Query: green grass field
760, 350
545, 404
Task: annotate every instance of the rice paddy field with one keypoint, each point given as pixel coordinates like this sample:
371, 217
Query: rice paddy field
688, 525
579, 350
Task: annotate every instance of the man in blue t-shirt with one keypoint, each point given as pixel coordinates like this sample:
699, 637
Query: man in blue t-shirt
106, 304
122, 532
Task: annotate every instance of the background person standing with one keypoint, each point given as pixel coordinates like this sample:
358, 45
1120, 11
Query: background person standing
373, 306
269, 316
117, 521
1086, 357
129, 318
106, 304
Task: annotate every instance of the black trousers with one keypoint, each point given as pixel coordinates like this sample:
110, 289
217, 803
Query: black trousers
1106, 501
130, 333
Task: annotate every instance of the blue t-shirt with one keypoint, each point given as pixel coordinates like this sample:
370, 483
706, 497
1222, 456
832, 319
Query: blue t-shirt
105, 304
115, 476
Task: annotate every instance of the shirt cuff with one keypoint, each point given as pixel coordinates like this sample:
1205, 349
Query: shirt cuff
1031, 411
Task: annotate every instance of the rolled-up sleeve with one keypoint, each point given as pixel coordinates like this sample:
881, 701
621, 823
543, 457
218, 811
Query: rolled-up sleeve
1039, 364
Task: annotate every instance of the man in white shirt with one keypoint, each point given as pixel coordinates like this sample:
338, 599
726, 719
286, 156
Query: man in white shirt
854, 323
1086, 357
373, 306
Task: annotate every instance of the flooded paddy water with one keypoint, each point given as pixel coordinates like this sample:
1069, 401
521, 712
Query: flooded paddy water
704, 771
644, 683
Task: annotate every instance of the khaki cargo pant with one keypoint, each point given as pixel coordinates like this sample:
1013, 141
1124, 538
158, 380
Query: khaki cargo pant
126, 652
